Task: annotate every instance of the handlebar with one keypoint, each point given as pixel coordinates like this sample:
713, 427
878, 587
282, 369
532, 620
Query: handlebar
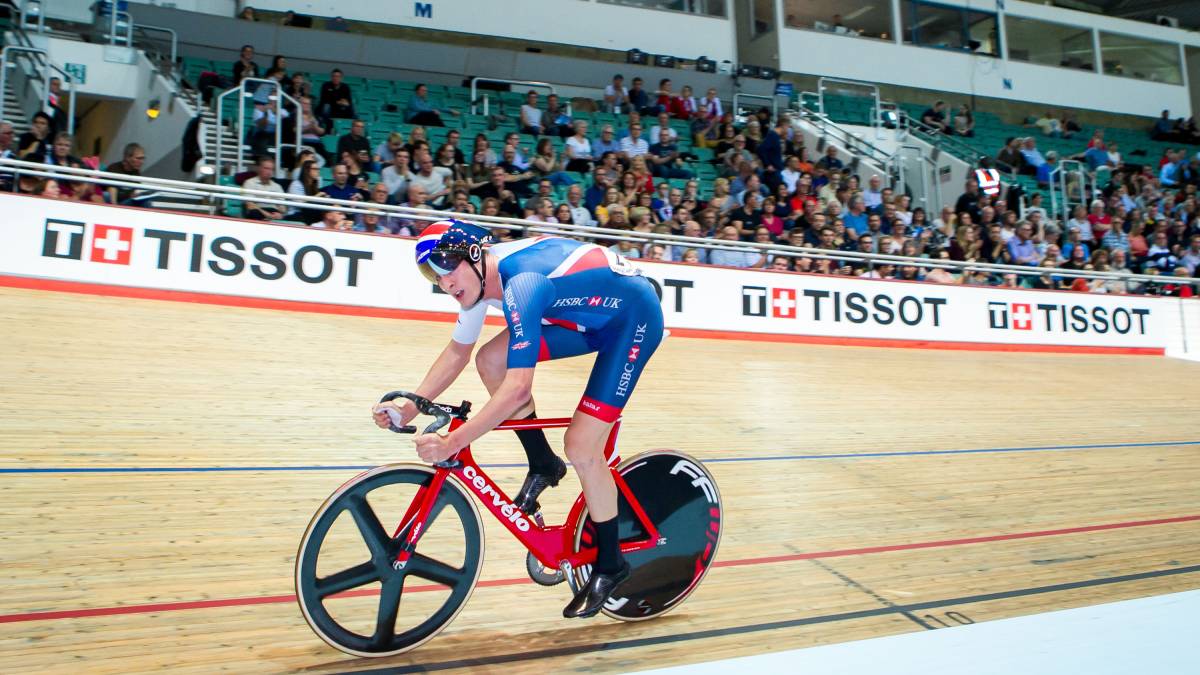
442, 415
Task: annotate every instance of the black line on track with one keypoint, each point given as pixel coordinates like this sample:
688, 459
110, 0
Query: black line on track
874, 596
768, 626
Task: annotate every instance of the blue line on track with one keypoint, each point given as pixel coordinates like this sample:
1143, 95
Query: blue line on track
777, 458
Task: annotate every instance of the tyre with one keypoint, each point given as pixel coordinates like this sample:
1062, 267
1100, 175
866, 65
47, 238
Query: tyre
680, 496
346, 586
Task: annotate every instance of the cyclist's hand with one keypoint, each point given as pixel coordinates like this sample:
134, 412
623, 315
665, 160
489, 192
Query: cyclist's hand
434, 447
402, 411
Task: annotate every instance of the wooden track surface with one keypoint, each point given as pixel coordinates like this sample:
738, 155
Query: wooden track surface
94, 382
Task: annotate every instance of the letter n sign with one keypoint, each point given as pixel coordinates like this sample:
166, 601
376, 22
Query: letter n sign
423, 10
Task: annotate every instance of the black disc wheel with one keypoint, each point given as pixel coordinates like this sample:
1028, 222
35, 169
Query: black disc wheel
681, 498
346, 584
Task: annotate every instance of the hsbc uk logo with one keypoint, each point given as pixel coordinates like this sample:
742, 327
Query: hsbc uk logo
588, 301
110, 243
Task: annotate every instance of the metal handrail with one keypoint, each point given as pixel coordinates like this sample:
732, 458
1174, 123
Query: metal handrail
939, 140
161, 29
46, 64
876, 122
844, 136
278, 96
1058, 177
528, 83
114, 22
20, 167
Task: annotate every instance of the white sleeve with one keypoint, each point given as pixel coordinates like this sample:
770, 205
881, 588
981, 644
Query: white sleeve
470, 324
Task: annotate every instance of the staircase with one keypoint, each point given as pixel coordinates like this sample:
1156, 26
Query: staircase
209, 130
13, 111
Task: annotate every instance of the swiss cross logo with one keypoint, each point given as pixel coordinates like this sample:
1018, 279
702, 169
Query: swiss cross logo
112, 244
1014, 316
1022, 316
783, 303
595, 301
633, 352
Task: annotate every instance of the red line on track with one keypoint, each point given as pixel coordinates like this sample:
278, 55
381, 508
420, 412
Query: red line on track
275, 599
87, 288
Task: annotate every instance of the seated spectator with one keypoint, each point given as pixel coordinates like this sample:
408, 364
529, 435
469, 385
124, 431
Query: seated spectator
386, 151
664, 158
1049, 124
1010, 157
531, 116
706, 123
1021, 249
335, 99
357, 175
341, 188
855, 218
435, 180
735, 258
34, 145
1096, 156
684, 106
422, 110
1033, 158
1164, 129
513, 140
557, 121
548, 165
578, 149
356, 143
936, 117
607, 143
397, 175
265, 122
634, 145
245, 66
639, 100
964, 122
334, 220
263, 181
133, 157
664, 123
298, 86
830, 161
1160, 256
307, 183
311, 129
616, 97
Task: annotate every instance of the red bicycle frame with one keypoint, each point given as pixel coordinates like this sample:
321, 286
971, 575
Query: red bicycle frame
550, 545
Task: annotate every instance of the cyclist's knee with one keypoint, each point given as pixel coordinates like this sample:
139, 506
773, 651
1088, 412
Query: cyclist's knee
584, 444
490, 360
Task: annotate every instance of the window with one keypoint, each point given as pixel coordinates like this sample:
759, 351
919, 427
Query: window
702, 7
1139, 58
958, 28
1049, 44
862, 18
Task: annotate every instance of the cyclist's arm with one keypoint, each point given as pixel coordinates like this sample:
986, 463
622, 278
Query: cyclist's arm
514, 392
445, 369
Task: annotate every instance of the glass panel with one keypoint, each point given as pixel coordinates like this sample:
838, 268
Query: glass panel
703, 7
865, 18
764, 17
949, 27
1139, 58
1049, 44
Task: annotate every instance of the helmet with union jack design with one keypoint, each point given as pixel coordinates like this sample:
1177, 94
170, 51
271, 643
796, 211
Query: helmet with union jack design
445, 244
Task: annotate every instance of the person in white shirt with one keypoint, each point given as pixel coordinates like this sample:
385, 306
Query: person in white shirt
634, 145
579, 213
263, 181
615, 95
791, 174
873, 195
664, 122
434, 179
531, 116
687, 102
579, 149
397, 175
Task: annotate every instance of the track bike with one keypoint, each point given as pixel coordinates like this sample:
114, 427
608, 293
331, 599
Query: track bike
669, 523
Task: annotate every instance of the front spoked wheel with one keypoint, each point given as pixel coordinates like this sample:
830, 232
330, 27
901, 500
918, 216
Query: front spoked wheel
345, 582
680, 497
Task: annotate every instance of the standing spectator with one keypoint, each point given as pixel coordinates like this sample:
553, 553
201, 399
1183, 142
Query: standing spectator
336, 100
531, 116
263, 180
422, 110
615, 95
770, 153
245, 66
356, 143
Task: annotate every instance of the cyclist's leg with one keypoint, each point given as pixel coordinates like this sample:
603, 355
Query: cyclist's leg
491, 361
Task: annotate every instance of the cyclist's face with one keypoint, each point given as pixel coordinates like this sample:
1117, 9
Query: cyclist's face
462, 284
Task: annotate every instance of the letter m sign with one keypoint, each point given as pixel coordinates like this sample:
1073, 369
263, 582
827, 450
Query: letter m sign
423, 10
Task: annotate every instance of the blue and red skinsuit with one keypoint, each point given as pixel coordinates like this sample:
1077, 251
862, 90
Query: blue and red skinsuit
564, 298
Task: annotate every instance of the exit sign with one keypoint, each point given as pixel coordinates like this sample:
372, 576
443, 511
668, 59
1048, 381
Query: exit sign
77, 71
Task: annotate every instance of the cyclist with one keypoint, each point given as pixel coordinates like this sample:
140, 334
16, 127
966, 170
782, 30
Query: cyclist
560, 298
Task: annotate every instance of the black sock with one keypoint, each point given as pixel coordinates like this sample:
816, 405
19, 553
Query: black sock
537, 449
608, 554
